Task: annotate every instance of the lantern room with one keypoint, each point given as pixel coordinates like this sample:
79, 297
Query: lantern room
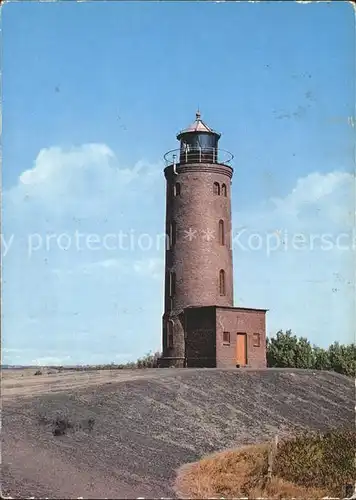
198, 143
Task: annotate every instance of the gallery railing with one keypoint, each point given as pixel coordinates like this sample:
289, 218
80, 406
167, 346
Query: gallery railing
198, 155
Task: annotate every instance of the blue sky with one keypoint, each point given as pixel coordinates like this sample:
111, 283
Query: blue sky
93, 96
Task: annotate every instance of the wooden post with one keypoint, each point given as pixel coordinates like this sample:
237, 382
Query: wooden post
271, 455
349, 489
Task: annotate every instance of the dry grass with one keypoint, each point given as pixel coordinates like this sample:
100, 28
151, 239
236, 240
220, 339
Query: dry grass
241, 473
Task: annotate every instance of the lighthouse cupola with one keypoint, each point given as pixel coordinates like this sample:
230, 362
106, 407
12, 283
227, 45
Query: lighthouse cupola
198, 143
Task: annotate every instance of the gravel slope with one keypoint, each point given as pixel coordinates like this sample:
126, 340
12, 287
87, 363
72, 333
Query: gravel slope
148, 426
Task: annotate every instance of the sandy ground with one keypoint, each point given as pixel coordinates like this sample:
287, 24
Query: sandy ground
148, 423
23, 383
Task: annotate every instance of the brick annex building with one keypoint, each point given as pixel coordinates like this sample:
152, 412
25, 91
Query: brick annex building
201, 326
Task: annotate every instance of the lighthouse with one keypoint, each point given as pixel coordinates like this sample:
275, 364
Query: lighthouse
201, 327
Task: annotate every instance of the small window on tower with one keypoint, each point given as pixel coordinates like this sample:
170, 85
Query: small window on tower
222, 282
226, 338
216, 188
172, 284
221, 232
170, 334
256, 340
176, 189
172, 234
223, 190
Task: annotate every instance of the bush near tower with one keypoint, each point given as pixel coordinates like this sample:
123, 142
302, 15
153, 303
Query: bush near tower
286, 350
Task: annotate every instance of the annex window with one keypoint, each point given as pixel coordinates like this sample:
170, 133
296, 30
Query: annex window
222, 282
176, 189
172, 233
223, 190
256, 340
216, 188
170, 334
172, 283
226, 338
221, 232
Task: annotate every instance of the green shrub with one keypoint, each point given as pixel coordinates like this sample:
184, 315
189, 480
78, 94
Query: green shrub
319, 460
286, 350
148, 361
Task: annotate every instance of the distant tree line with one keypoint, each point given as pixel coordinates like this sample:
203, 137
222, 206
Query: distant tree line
286, 350
149, 360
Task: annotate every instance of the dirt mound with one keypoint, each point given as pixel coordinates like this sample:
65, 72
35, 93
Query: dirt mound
146, 427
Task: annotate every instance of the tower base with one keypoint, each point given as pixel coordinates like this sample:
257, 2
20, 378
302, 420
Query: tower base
169, 362
217, 337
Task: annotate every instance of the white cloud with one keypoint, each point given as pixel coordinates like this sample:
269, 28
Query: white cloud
146, 267
334, 193
11, 350
152, 267
84, 181
313, 188
308, 287
318, 202
99, 290
104, 265
51, 361
109, 264
54, 164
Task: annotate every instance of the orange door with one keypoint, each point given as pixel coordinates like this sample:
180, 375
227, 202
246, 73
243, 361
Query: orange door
241, 349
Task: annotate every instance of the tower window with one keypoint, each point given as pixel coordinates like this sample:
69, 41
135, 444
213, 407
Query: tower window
172, 284
170, 334
172, 233
176, 189
216, 188
221, 232
256, 340
226, 338
223, 190
222, 282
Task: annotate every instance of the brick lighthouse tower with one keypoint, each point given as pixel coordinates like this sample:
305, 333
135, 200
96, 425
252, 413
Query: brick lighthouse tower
201, 326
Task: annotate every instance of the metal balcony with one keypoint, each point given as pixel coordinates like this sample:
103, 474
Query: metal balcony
198, 155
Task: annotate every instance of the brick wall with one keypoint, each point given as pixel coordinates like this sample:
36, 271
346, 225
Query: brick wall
239, 320
176, 353
197, 255
200, 337
197, 261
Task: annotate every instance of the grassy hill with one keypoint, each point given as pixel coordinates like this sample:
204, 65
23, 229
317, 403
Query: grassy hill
144, 427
